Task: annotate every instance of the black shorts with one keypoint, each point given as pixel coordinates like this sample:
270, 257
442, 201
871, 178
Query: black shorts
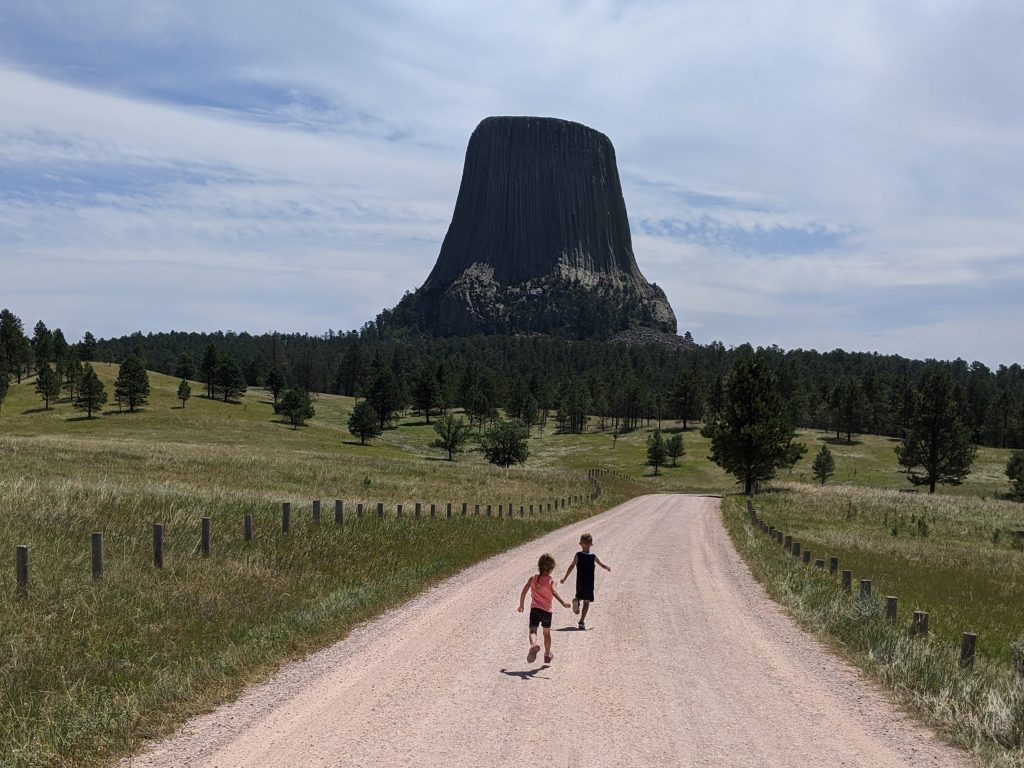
537, 616
584, 595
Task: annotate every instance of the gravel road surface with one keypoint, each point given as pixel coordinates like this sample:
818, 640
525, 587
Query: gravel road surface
685, 662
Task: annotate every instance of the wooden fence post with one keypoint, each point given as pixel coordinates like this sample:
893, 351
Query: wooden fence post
398, 511
488, 510
890, 608
521, 510
359, 511
465, 508
847, 581
286, 517
21, 567
247, 525
380, 509
316, 512
865, 587
416, 509
205, 536
807, 556
820, 564
433, 510
833, 565
476, 509
97, 555
795, 549
967, 650
531, 510
448, 510
158, 545
339, 511
787, 543
501, 510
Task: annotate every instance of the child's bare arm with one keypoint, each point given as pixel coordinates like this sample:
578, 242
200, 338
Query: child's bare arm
571, 566
522, 595
606, 567
564, 604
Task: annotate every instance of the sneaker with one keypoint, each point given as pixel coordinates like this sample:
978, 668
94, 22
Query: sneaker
532, 655
581, 625
575, 605
548, 657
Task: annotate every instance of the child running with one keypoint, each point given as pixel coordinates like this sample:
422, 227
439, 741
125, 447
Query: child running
542, 588
584, 563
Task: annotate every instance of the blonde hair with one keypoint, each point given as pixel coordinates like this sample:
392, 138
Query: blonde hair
586, 537
546, 564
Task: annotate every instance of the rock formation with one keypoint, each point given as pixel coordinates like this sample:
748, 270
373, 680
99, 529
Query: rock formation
539, 241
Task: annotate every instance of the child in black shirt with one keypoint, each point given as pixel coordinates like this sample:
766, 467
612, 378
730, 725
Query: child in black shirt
584, 563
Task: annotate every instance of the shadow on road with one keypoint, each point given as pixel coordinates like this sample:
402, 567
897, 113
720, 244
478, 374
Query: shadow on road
526, 674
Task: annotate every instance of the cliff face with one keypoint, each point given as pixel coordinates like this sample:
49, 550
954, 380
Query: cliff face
539, 240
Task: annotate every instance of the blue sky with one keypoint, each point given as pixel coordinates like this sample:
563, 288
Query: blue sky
811, 175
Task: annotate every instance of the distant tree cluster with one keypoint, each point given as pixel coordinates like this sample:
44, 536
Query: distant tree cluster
582, 385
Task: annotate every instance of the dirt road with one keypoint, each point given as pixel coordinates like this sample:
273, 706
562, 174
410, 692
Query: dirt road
685, 662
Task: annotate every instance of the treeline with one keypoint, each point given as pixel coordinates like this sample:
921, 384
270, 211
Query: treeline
579, 385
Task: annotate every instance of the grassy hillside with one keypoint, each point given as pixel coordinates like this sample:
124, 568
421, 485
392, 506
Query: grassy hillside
91, 667
94, 667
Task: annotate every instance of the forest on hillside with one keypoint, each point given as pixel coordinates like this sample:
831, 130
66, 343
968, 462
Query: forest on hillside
581, 384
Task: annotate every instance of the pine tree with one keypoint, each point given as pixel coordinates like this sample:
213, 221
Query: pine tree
364, 422
184, 391
1014, 471
452, 434
229, 381
42, 344
425, 392
674, 447
751, 435
824, 465
132, 384
656, 451
47, 385
88, 348
185, 367
275, 383
72, 374
686, 398
91, 392
938, 441
5, 383
384, 396
209, 367
296, 406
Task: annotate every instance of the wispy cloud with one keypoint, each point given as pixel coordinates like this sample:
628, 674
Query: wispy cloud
812, 176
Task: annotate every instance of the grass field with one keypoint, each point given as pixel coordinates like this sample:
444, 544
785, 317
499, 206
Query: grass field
91, 668
94, 667
957, 573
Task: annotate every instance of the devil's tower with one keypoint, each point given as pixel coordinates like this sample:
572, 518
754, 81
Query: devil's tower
539, 241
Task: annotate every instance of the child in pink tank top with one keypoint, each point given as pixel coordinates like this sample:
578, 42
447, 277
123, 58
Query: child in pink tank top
542, 589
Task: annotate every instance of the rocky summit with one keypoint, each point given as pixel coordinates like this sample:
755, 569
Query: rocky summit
539, 241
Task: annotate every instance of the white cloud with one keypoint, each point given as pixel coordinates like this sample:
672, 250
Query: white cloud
257, 138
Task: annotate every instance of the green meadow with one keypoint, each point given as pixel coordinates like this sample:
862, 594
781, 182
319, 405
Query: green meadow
94, 668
